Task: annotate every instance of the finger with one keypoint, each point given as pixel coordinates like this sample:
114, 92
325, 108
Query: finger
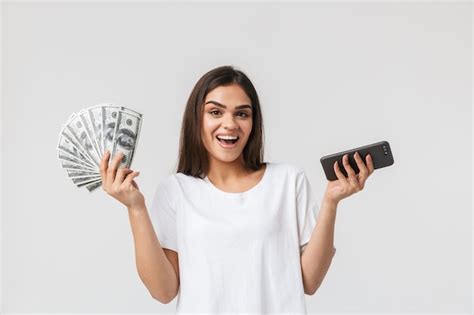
120, 176
103, 167
113, 167
350, 171
369, 166
370, 163
129, 179
339, 174
363, 172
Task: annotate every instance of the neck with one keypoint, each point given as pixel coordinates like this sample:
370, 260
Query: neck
223, 172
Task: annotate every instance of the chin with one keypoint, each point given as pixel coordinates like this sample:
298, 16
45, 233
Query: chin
228, 157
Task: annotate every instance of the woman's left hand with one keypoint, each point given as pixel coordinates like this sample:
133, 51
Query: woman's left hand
345, 187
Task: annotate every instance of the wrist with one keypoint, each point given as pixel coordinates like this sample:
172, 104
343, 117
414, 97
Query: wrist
136, 209
330, 202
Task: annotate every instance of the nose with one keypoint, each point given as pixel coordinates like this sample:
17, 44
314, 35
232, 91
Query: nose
229, 123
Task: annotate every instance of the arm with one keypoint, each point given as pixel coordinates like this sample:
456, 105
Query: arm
157, 270
154, 268
318, 253
320, 250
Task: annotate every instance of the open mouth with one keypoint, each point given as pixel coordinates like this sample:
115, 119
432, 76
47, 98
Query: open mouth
227, 142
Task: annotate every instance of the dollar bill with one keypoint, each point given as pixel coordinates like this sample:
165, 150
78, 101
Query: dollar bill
95, 117
89, 181
84, 179
126, 134
67, 158
68, 145
71, 165
109, 123
80, 173
88, 129
78, 131
93, 185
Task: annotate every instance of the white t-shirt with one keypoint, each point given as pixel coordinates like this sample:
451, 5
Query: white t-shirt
238, 252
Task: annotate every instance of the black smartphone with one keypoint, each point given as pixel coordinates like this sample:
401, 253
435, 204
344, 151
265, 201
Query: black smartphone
380, 152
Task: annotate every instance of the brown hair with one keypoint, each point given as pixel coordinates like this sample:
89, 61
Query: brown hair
193, 156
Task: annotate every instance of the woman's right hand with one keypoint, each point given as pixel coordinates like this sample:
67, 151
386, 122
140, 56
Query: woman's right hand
119, 183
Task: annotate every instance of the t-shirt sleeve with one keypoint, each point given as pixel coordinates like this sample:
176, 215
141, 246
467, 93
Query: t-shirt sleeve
163, 213
307, 208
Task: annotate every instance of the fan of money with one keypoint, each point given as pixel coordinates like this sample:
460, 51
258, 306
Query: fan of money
87, 135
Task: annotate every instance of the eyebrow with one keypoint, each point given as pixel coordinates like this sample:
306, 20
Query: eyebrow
223, 106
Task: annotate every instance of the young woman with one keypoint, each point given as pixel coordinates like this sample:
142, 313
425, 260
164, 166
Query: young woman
245, 231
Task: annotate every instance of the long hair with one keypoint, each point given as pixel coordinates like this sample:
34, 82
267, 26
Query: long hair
193, 156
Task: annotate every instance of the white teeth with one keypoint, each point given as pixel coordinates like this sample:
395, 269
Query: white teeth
227, 137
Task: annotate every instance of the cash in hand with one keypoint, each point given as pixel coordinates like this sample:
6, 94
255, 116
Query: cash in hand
87, 135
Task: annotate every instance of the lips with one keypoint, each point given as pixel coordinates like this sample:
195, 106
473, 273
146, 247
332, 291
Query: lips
227, 144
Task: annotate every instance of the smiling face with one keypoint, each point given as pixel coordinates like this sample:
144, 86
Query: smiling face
227, 111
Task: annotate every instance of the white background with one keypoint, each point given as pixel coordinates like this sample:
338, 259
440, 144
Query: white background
330, 77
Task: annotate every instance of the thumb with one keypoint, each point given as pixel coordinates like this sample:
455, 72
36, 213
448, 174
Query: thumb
128, 180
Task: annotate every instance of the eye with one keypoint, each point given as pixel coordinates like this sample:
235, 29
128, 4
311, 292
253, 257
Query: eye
240, 114
245, 114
